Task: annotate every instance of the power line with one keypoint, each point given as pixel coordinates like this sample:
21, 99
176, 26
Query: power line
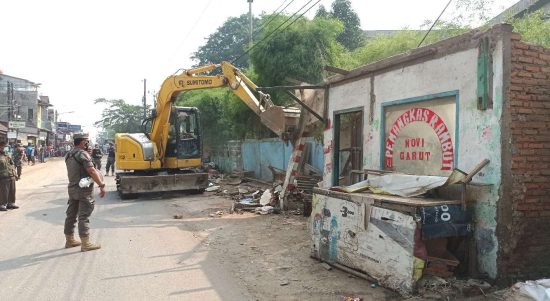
434, 23
275, 30
274, 15
191, 30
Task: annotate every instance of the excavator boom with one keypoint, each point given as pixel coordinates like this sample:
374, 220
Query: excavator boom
174, 145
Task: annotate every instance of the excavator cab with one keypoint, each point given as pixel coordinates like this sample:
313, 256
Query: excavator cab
184, 136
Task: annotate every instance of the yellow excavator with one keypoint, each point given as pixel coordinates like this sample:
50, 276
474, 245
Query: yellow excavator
169, 157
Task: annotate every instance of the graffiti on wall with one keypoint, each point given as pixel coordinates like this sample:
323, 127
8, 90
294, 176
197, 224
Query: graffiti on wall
420, 136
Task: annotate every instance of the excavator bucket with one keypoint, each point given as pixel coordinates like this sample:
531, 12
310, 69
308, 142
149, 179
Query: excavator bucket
282, 121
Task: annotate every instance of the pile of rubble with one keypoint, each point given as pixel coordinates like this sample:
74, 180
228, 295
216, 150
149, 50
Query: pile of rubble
247, 193
259, 196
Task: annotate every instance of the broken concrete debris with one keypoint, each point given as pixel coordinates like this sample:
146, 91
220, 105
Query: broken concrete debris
265, 198
212, 188
326, 266
218, 213
352, 298
264, 210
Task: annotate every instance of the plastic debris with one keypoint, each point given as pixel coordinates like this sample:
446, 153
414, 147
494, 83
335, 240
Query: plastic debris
537, 290
247, 201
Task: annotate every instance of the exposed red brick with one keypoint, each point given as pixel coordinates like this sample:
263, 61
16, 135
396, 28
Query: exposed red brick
529, 105
521, 46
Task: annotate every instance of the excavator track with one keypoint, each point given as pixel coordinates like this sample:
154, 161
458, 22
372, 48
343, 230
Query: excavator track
130, 184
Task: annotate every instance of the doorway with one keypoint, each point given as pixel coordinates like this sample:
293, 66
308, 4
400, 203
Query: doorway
348, 145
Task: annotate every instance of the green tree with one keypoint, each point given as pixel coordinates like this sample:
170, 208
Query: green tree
119, 117
352, 37
534, 28
227, 43
223, 116
299, 52
322, 12
469, 13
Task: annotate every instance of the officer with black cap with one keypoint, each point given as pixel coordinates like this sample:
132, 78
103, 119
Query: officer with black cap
81, 202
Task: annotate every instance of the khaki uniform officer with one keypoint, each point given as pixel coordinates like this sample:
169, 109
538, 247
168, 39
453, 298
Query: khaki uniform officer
7, 180
81, 203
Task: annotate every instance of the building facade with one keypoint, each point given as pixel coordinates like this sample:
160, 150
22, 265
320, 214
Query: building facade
481, 95
19, 102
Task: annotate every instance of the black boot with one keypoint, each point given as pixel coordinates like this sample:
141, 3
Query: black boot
12, 206
3, 208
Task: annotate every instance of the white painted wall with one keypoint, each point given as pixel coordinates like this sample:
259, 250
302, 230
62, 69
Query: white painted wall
479, 131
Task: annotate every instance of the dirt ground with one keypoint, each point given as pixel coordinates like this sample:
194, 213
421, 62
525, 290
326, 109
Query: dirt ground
270, 254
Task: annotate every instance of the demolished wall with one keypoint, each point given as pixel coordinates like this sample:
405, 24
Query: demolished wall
524, 212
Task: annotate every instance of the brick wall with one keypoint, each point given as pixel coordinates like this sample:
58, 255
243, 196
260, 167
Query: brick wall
525, 250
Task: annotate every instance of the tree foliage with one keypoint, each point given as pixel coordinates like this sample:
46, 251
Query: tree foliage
534, 28
299, 52
322, 12
223, 116
119, 117
227, 43
352, 37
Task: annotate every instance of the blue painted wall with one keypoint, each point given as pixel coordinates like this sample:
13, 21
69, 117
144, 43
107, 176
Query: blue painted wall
258, 155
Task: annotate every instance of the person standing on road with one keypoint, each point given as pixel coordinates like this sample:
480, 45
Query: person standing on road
29, 151
7, 180
96, 156
81, 202
18, 157
110, 160
42, 154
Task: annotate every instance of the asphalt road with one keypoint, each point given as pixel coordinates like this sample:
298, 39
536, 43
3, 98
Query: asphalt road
145, 255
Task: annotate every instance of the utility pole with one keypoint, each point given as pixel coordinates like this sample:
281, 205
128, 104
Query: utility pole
144, 98
11, 99
250, 21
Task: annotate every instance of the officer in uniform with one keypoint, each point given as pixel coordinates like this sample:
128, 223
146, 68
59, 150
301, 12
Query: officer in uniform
7, 180
96, 156
18, 154
81, 203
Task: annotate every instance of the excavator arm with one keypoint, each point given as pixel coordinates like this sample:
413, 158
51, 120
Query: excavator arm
278, 119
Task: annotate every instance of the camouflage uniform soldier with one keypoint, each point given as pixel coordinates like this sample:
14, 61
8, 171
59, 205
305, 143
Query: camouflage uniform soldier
81, 203
7, 181
96, 156
17, 159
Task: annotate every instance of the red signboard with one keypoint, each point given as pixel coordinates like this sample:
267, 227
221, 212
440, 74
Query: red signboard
419, 137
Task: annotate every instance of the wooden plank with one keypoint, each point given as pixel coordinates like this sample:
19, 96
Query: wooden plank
414, 202
475, 170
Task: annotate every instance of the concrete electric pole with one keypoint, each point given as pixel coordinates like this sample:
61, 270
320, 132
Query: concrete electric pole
250, 21
144, 98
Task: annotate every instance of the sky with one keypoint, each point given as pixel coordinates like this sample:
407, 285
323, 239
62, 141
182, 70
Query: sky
80, 51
